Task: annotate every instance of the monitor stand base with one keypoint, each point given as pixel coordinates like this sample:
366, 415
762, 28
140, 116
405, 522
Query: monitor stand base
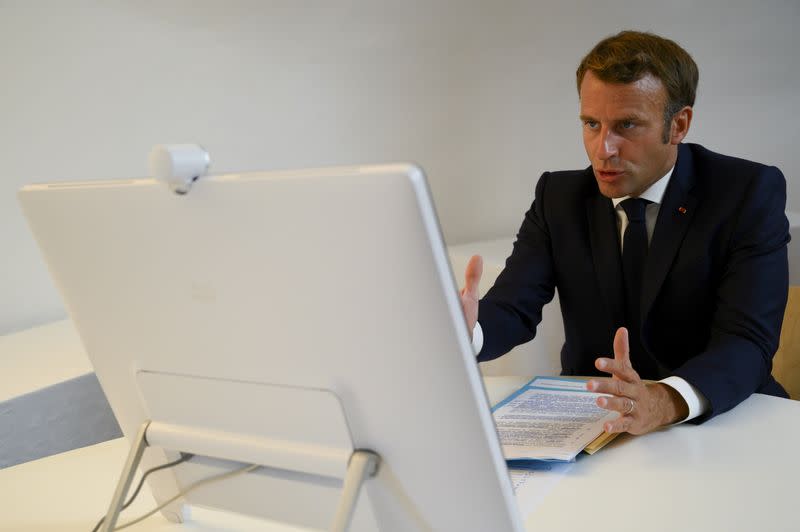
363, 464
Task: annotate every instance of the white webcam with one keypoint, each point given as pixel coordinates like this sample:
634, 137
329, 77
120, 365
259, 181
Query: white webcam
178, 165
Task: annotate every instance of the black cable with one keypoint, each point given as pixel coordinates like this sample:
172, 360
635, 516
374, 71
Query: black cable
184, 457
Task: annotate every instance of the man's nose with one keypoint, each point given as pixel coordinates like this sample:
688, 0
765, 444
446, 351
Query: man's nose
607, 145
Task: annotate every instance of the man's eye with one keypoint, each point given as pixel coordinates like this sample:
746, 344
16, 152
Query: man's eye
591, 124
628, 125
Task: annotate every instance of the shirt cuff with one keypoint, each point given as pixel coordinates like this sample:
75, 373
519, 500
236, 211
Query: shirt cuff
477, 338
697, 403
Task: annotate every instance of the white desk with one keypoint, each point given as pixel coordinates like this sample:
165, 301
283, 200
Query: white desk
736, 472
50, 399
40, 357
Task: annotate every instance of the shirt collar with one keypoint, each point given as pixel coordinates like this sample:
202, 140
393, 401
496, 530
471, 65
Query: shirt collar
653, 193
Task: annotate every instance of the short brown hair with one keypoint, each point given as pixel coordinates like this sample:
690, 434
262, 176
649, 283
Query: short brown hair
628, 56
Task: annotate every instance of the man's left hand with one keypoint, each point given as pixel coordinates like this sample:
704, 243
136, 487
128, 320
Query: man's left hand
643, 407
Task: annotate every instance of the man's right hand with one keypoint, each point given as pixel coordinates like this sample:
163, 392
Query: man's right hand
469, 294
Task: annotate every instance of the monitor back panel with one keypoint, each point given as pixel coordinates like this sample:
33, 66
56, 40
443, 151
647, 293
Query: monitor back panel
335, 279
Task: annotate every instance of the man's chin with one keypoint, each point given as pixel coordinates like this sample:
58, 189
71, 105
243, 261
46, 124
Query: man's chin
612, 191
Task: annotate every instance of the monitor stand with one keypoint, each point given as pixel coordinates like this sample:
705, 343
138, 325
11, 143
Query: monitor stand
319, 444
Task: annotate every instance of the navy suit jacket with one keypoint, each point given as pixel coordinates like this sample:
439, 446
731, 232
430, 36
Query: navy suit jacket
715, 281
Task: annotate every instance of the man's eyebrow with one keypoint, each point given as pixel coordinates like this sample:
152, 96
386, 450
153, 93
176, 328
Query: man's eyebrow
628, 118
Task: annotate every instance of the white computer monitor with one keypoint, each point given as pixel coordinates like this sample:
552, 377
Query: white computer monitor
314, 308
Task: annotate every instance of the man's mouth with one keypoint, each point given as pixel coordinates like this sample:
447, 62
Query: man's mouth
608, 175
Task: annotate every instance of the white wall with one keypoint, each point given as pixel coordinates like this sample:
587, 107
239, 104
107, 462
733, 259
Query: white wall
480, 93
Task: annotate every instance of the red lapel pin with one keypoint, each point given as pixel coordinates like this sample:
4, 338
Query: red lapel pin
682, 210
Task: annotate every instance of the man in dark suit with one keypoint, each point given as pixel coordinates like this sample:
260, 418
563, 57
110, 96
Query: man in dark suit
666, 254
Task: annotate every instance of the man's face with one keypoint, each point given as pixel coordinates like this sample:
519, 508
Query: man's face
623, 126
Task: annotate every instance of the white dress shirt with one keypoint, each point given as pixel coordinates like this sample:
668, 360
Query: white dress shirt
696, 402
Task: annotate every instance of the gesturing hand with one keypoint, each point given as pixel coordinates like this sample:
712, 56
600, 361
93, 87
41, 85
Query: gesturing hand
643, 407
469, 294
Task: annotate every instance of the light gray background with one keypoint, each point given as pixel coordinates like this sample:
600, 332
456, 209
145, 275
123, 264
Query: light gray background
481, 94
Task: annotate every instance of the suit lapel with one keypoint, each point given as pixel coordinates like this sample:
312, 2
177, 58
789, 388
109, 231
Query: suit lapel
604, 238
674, 216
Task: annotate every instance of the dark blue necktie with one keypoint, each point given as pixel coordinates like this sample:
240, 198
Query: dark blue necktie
634, 254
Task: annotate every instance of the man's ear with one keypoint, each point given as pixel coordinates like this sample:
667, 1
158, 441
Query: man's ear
679, 126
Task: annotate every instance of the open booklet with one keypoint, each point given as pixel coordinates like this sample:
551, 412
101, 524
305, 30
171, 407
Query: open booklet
550, 418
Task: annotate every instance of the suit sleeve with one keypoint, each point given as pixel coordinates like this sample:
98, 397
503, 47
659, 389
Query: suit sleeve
750, 301
512, 308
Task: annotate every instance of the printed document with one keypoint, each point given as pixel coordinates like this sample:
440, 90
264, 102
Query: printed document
550, 418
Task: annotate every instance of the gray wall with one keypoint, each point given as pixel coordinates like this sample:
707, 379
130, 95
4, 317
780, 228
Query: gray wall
480, 93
